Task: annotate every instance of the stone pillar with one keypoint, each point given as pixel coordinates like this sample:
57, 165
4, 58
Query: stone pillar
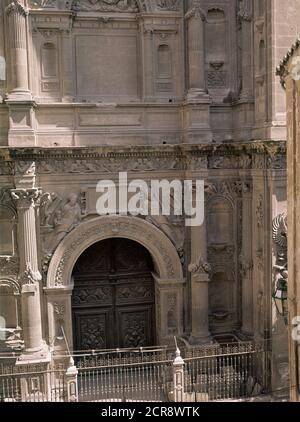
195, 18
68, 91
246, 263
17, 15
178, 378
196, 111
29, 274
199, 269
72, 385
245, 17
148, 91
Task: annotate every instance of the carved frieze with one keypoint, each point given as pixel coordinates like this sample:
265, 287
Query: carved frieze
106, 5
228, 189
168, 5
109, 165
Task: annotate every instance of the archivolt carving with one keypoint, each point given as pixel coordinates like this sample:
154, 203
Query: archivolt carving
9, 286
164, 254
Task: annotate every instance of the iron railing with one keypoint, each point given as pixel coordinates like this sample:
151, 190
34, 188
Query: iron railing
214, 372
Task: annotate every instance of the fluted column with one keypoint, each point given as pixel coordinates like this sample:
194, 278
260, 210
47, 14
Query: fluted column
29, 275
246, 263
16, 15
148, 91
199, 269
245, 18
195, 18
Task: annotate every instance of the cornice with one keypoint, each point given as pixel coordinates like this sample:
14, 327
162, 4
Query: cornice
40, 153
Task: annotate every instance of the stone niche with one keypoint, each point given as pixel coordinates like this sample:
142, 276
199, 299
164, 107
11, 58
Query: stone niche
216, 53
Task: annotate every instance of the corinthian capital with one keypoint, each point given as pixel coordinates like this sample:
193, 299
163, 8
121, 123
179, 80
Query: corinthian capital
245, 10
28, 276
25, 198
16, 7
200, 267
196, 11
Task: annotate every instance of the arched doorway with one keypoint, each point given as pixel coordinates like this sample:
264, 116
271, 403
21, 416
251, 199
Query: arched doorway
113, 299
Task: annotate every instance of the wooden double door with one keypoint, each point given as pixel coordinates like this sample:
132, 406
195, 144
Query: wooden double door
113, 300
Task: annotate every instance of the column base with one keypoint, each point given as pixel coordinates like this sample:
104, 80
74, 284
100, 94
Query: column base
31, 356
19, 95
197, 95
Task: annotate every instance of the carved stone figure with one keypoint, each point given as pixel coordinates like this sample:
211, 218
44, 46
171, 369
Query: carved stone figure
65, 218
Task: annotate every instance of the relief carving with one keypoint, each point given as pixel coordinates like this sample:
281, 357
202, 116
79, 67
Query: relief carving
63, 218
200, 267
172, 5
107, 5
245, 10
260, 210
109, 165
28, 276
246, 265
172, 325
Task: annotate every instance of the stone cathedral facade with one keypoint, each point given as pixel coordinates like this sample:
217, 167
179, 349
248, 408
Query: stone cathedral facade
160, 89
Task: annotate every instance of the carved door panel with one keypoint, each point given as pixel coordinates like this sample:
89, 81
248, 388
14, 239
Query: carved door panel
91, 329
135, 326
113, 297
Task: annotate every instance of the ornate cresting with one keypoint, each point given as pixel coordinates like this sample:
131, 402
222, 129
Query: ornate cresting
281, 264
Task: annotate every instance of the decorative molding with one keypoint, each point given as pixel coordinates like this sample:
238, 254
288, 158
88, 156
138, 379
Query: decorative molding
229, 190
70, 248
16, 7
59, 311
25, 198
168, 5
245, 10
200, 267
252, 155
28, 276
196, 11
105, 6
260, 210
